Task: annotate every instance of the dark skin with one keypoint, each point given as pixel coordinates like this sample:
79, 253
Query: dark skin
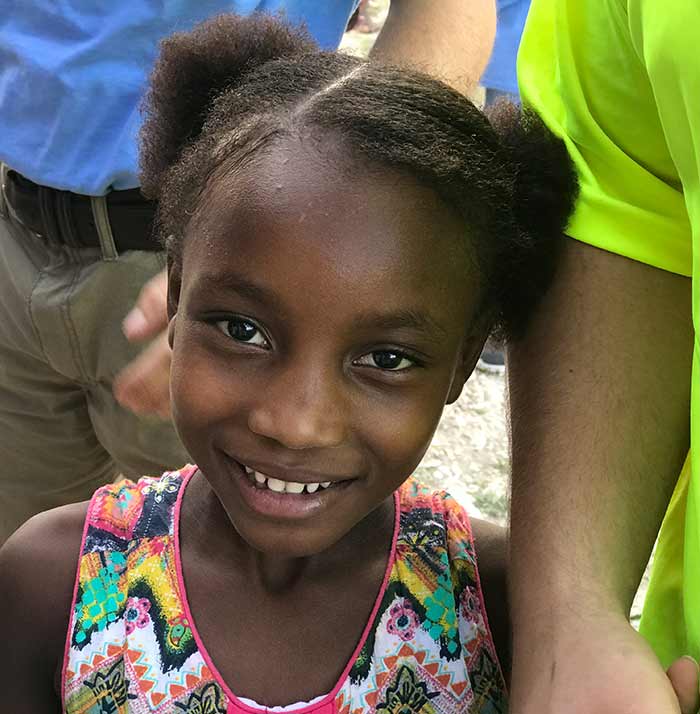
311, 342
301, 598
42, 557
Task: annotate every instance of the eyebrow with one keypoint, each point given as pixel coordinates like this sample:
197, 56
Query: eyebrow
404, 320
241, 286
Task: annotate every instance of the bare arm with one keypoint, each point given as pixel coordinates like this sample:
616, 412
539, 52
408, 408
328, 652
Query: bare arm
37, 572
449, 39
600, 400
491, 543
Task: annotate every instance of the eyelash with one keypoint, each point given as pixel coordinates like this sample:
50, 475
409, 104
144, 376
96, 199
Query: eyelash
398, 353
224, 326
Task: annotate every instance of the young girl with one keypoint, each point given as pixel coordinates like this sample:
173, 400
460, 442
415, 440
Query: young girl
341, 238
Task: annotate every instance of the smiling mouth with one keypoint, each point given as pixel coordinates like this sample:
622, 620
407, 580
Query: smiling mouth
268, 483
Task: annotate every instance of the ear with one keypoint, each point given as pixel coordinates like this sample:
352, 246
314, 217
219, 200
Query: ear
471, 349
174, 266
174, 285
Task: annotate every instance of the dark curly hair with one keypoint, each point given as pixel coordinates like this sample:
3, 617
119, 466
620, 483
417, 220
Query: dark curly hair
234, 84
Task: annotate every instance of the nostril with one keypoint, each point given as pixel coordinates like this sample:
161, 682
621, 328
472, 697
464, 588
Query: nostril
300, 408
297, 429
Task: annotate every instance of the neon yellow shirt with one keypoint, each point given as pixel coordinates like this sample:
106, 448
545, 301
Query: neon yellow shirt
619, 80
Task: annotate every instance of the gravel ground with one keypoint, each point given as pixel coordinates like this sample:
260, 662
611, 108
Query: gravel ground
469, 453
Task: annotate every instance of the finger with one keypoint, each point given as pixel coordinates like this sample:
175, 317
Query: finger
684, 677
143, 386
149, 316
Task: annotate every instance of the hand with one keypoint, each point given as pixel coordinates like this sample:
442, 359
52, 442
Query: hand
685, 680
144, 384
596, 665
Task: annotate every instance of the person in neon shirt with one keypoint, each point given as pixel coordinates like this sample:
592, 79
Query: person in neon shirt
604, 389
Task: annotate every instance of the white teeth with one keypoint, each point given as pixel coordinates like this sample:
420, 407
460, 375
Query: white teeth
274, 484
279, 486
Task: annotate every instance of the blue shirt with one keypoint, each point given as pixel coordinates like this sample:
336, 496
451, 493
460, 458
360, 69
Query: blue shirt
73, 72
500, 72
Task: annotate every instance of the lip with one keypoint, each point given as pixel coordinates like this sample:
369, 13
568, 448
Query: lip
286, 506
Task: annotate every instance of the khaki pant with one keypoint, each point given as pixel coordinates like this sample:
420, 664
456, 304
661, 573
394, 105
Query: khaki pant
62, 434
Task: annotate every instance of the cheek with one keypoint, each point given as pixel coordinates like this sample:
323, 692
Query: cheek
188, 393
201, 392
402, 435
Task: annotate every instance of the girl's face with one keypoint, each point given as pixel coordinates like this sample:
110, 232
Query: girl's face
321, 320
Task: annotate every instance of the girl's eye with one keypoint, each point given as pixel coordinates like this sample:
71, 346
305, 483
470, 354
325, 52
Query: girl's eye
390, 360
243, 330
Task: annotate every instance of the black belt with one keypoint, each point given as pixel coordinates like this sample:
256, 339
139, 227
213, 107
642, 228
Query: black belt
67, 217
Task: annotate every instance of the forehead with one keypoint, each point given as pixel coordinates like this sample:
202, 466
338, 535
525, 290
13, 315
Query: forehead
303, 212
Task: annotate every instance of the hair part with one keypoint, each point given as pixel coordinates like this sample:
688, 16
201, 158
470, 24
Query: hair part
233, 85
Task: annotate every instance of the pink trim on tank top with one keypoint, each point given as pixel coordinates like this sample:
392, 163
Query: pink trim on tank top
236, 706
69, 633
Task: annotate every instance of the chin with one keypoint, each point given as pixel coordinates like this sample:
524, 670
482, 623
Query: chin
283, 542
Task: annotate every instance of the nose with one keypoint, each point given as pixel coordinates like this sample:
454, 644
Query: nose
300, 409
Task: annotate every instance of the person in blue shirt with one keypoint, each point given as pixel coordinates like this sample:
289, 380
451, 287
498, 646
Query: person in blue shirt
499, 78
80, 400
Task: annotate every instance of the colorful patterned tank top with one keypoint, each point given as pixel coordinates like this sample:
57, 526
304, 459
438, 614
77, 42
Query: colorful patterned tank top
133, 645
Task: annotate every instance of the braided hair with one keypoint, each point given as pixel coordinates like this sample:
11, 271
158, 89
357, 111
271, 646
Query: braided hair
233, 85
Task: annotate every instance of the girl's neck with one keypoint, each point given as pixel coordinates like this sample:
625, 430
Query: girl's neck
210, 531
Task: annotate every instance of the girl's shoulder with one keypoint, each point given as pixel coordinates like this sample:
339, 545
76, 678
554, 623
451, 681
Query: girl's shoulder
437, 514
467, 558
430, 637
133, 510
434, 528
40, 562
37, 575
